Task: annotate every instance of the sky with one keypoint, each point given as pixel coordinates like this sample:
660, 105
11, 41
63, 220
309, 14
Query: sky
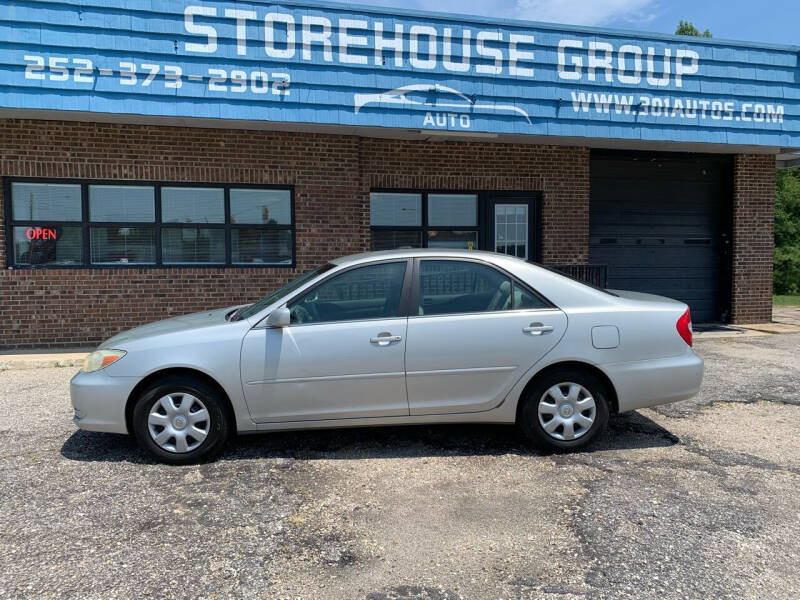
772, 21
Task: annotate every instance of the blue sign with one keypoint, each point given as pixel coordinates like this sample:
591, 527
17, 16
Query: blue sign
320, 63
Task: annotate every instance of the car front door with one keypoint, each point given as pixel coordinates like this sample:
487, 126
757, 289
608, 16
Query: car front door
342, 355
477, 331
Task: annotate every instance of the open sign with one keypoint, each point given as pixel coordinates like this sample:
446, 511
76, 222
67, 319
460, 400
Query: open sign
41, 233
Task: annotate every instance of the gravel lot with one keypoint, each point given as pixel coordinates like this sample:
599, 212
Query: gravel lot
694, 500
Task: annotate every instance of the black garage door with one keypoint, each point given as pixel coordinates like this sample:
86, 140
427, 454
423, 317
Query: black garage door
661, 224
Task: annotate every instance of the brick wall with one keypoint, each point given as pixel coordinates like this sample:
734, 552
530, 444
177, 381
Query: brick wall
332, 176
560, 173
753, 239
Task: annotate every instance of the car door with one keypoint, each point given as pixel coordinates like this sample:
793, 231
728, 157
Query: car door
476, 332
341, 357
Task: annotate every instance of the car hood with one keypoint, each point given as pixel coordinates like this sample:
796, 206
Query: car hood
183, 323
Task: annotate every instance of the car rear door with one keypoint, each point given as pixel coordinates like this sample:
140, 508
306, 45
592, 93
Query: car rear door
341, 357
477, 331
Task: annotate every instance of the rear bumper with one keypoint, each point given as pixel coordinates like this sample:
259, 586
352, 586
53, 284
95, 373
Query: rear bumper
99, 401
644, 383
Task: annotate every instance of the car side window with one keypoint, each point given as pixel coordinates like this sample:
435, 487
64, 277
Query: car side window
525, 299
452, 286
369, 292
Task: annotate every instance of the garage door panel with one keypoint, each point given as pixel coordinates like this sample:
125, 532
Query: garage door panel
639, 256
630, 221
672, 287
657, 224
614, 228
664, 273
652, 190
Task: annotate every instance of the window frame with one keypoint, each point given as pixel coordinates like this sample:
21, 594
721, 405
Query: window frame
403, 308
85, 224
413, 305
424, 226
485, 217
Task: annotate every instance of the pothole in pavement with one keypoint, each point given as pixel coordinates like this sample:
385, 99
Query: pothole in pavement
414, 592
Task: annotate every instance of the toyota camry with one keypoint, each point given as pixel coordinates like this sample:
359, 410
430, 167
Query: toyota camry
389, 338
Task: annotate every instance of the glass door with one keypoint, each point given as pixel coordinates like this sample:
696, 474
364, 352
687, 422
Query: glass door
512, 226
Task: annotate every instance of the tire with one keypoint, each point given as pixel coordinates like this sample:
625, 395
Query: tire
171, 430
544, 409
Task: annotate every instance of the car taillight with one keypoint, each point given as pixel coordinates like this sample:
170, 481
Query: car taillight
684, 327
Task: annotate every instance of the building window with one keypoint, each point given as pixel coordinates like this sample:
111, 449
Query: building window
263, 226
423, 219
122, 229
47, 230
182, 241
99, 224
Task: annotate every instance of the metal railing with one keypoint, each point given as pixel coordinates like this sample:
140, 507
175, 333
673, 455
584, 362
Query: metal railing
596, 275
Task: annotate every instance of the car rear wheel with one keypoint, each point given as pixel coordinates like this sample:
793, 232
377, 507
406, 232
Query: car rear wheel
180, 420
565, 409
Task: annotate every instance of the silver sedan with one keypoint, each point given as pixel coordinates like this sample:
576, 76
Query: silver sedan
388, 338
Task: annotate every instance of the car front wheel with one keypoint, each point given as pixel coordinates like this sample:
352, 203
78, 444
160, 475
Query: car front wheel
179, 420
565, 409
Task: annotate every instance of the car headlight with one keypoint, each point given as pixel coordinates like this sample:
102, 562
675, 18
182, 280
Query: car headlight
100, 359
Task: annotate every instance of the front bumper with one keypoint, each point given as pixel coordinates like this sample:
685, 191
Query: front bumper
99, 401
644, 383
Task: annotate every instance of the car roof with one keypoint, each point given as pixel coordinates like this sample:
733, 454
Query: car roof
419, 252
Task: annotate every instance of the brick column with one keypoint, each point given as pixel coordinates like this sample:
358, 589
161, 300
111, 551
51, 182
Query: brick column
753, 238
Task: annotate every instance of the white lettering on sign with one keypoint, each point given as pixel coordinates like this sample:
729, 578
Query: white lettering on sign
682, 68
676, 108
447, 51
624, 64
574, 70
287, 23
395, 44
441, 120
428, 42
346, 39
242, 17
321, 37
206, 30
603, 62
428, 47
82, 70
485, 51
630, 75
424, 47
516, 54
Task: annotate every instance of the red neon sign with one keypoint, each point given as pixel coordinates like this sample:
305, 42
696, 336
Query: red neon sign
41, 233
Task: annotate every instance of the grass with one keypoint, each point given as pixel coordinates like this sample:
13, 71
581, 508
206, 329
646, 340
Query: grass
786, 300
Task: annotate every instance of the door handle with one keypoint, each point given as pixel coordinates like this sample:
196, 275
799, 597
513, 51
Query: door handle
537, 329
384, 339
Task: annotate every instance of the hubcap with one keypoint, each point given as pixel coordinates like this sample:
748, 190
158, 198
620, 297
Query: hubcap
178, 422
567, 411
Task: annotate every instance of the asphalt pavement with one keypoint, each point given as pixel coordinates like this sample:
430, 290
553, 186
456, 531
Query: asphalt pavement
698, 499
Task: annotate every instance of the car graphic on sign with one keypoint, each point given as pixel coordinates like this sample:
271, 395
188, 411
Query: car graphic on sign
436, 97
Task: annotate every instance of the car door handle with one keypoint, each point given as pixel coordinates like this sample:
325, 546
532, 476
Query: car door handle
384, 339
537, 329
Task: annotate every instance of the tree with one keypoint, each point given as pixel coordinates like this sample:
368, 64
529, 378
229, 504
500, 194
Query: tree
686, 28
787, 232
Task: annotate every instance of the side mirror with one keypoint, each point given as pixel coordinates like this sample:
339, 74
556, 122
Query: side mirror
280, 317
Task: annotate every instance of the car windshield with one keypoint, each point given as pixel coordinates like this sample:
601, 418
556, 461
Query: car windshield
249, 311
